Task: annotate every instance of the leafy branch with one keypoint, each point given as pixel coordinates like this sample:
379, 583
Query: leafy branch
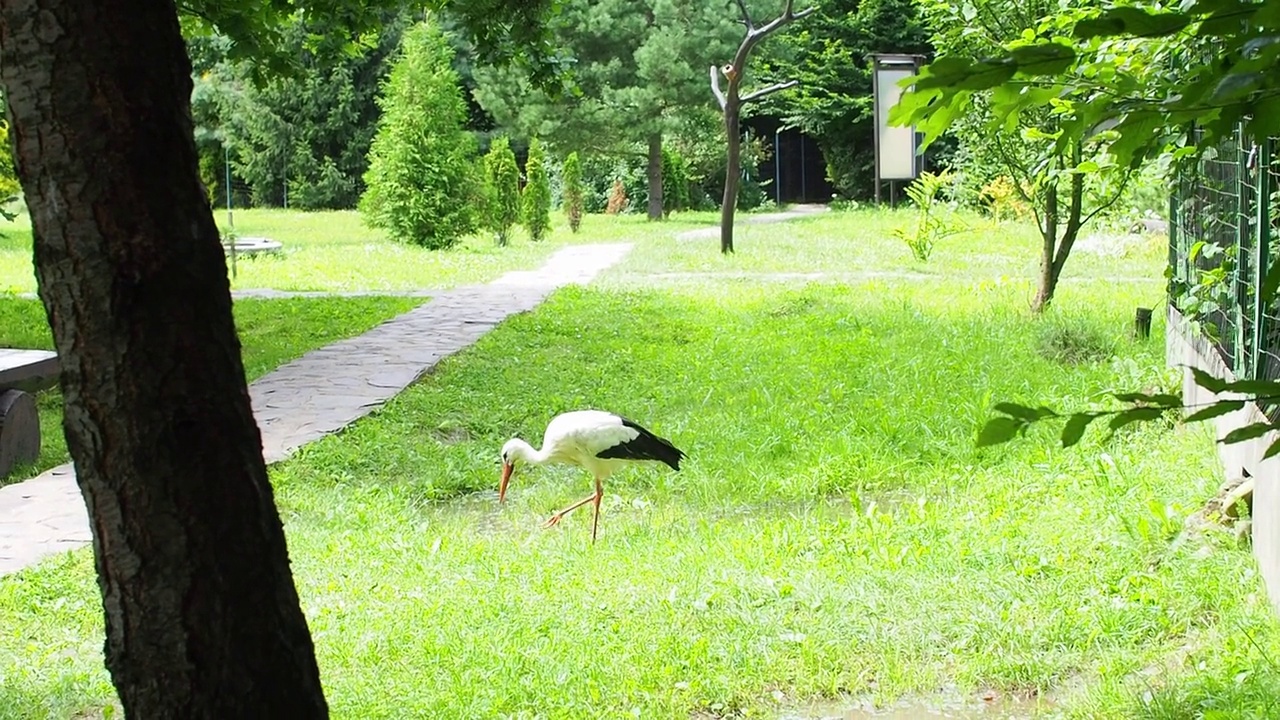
1237, 45
1015, 419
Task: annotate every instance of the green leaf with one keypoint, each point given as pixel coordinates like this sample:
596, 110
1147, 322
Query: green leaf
1265, 122
1023, 412
989, 74
1248, 432
1075, 427
1051, 58
1222, 407
1103, 26
1161, 399
1138, 414
1256, 388
1000, 430
1139, 132
1131, 21
1234, 85
1207, 381
1272, 449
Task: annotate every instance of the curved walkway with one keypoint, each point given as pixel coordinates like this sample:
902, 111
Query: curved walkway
741, 218
317, 394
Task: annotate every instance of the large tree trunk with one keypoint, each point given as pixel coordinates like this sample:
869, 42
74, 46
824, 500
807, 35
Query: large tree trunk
202, 616
655, 177
732, 170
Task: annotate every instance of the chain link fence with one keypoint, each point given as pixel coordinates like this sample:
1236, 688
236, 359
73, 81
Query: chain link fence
1222, 217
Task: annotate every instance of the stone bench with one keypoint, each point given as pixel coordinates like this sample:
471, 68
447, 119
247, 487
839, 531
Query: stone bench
22, 373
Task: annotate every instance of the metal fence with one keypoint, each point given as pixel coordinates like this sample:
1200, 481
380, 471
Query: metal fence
1222, 218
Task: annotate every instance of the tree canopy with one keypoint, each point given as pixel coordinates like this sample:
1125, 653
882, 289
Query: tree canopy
833, 103
1142, 75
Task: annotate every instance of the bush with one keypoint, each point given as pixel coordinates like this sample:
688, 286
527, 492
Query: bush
618, 201
573, 191
502, 189
675, 181
536, 198
421, 180
1003, 201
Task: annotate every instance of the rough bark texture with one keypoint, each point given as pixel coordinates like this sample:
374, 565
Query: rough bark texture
202, 616
733, 166
655, 177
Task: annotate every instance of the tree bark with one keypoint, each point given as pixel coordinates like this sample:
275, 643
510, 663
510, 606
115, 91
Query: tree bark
655, 177
733, 168
1049, 244
202, 616
1057, 249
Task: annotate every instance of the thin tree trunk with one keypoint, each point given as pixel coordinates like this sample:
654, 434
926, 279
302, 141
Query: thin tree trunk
1058, 249
1049, 238
202, 616
731, 101
655, 177
733, 169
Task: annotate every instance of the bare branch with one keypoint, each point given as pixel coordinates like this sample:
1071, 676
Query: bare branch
769, 90
715, 88
746, 15
757, 34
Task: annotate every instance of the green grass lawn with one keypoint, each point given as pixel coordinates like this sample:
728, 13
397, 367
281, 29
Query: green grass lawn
272, 332
858, 244
335, 251
834, 534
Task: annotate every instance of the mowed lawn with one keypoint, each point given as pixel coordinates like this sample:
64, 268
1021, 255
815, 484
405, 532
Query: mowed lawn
336, 252
834, 536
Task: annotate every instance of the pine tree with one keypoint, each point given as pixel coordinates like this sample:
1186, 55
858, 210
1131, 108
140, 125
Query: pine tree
421, 177
573, 199
642, 68
536, 199
502, 192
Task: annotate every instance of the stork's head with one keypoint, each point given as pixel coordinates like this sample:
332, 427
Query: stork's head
510, 453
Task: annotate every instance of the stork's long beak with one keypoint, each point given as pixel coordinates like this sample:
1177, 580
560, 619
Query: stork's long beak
506, 477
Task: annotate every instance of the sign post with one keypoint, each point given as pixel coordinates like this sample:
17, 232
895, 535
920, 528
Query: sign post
897, 148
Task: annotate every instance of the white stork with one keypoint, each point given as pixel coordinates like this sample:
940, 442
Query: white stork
596, 441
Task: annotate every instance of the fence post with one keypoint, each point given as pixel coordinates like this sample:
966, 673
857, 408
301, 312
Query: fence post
1175, 261
1243, 354
1263, 262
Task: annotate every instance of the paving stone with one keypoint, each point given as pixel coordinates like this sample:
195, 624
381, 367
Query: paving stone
319, 393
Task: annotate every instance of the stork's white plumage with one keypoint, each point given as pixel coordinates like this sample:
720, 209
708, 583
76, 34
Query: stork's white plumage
598, 442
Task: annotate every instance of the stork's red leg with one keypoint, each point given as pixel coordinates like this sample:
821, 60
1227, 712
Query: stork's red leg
596, 522
560, 515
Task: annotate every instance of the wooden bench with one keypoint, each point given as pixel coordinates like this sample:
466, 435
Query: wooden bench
22, 372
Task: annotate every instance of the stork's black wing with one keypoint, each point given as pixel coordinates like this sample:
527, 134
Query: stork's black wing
645, 446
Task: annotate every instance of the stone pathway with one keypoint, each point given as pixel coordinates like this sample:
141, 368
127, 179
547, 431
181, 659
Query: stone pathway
317, 394
761, 219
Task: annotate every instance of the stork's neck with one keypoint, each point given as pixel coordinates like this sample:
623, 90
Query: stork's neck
525, 452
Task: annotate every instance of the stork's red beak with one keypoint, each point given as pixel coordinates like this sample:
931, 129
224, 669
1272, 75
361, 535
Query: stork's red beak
506, 477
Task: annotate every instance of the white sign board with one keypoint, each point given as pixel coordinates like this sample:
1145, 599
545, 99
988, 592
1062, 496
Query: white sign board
897, 151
